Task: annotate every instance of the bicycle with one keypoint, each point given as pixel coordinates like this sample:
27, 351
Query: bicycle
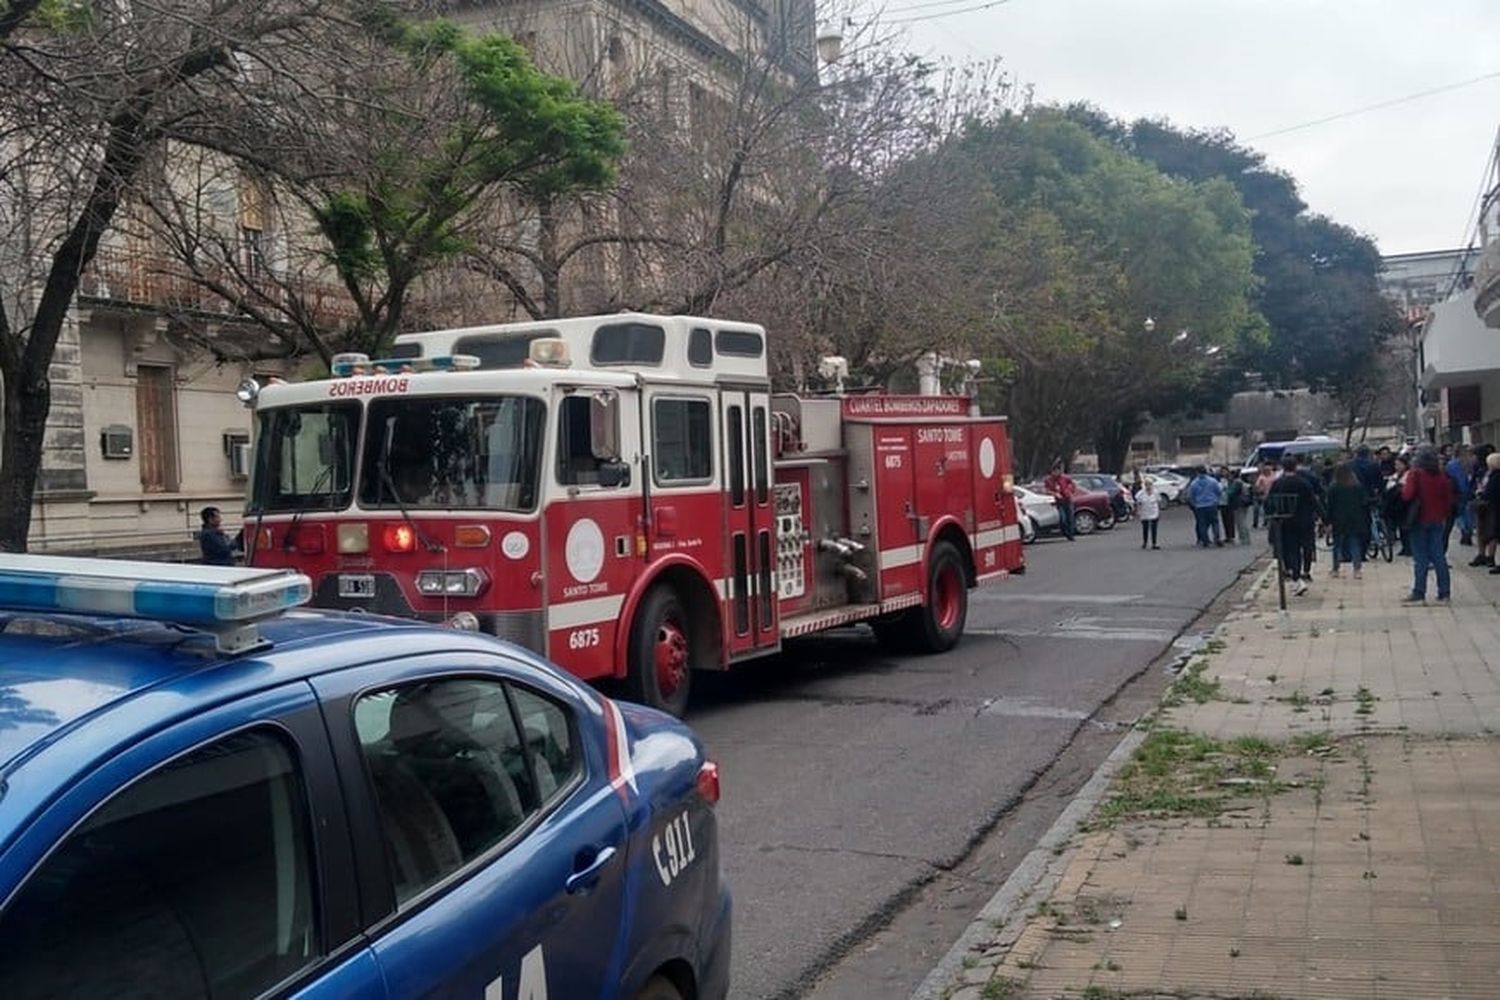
1382, 536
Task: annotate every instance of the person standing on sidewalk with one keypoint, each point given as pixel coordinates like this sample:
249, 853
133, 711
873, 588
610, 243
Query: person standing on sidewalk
1148, 510
1203, 496
1429, 489
1240, 503
1457, 468
1487, 488
1293, 504
1395, 507
1349, 519
1263, 482
1061, 486
1228, 501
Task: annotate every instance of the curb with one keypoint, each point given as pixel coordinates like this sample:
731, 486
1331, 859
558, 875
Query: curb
1042, 864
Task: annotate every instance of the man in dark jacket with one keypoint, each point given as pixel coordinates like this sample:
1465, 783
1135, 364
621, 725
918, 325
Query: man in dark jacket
215, 545
1431, 489
1293, 507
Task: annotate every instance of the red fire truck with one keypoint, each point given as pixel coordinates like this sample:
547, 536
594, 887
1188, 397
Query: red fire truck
626, 495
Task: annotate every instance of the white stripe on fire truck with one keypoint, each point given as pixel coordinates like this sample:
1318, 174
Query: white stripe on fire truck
904, 555
1010, 533
587, 612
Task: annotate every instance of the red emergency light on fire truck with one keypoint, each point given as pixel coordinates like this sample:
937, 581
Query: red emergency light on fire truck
627, 496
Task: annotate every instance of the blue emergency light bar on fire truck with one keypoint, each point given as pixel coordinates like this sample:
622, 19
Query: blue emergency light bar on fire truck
344, 365
225, 601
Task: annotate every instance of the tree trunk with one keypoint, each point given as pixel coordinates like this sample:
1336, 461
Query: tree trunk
27, 403
1112, 442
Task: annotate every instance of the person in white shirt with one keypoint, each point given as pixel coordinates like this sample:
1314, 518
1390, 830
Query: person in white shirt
1148, 510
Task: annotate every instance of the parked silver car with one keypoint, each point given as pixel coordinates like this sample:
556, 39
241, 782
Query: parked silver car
1038, 511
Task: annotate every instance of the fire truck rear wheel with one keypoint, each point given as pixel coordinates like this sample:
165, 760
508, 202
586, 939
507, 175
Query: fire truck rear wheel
661, 653
936, 626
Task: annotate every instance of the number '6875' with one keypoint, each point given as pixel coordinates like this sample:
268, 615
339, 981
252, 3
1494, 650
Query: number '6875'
583, 638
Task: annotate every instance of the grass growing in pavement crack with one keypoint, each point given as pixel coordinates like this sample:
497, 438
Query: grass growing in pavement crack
1366, 701
1192, 685
1178, 773
1001, 988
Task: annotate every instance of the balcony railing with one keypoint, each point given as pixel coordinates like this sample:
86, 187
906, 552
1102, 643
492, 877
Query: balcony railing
1487, 285
156, 282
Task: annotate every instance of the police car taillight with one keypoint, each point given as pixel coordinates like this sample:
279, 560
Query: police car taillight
708, 782
223, 600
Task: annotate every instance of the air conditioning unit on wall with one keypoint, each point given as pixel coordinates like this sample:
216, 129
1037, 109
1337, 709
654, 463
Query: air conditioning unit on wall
239, 461
116, 441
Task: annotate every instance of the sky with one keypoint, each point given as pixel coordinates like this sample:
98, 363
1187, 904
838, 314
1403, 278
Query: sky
1406, 175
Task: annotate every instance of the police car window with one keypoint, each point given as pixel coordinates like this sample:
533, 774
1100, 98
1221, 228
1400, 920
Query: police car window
549, 738
450, 775
576, 464
196, 880
683, 440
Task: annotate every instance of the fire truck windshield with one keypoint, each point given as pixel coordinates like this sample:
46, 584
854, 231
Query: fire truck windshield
441, 452
304, 458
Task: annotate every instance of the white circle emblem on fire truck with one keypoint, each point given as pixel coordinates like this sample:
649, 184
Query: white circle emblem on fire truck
515, 545
585, 550
987, 458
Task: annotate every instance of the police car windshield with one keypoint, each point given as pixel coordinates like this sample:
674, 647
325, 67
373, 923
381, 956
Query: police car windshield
445, 452
304, 458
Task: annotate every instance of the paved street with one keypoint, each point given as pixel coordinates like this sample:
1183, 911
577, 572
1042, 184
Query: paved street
866, 793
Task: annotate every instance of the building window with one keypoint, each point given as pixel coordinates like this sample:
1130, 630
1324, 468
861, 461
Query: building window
156, 418
253, 198
683, 441
1195, 442
196, 880
252, 252
1142, 447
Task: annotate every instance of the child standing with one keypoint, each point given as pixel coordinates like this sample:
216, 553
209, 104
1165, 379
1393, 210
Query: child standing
1148, 509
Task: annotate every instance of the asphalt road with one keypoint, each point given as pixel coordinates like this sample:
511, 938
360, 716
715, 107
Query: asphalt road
873, 803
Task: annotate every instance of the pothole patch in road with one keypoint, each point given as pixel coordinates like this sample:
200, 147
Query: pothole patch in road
1027, 708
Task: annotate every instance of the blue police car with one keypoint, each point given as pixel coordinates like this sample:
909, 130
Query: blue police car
207, 793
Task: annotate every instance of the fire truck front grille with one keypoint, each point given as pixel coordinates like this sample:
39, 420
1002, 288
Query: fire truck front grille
524, 628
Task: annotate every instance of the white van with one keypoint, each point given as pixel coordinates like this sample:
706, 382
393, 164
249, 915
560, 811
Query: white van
1312, 448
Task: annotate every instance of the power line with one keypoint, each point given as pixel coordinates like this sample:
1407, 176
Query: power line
946, 13
1471, 225
926, 5
1419, 95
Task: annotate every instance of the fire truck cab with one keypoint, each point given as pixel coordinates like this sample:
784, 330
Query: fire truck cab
626, 495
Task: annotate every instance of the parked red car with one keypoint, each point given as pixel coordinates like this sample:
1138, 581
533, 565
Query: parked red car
1092, 510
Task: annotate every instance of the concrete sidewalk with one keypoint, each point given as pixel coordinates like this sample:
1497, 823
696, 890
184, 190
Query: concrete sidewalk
1315, 812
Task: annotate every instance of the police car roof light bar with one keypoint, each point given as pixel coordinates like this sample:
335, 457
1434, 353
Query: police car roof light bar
225, 601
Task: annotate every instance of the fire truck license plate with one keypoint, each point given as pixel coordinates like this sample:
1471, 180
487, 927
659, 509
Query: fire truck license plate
351, 585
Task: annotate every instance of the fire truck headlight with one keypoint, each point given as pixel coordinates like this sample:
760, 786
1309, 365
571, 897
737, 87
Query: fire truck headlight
354, 539
451, 583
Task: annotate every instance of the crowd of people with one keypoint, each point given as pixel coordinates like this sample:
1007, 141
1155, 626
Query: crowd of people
1411, 502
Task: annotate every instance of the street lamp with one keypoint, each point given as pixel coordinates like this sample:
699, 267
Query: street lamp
830, 43
1149, 325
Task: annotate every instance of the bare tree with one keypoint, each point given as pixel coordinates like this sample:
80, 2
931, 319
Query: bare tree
87, 95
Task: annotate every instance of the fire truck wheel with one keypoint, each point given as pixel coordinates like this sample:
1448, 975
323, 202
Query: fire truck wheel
936, 626
661, 653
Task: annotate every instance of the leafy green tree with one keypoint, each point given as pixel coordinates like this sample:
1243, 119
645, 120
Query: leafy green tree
1146, 245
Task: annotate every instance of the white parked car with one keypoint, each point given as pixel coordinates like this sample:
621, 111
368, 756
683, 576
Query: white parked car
1039, 511
1170, 485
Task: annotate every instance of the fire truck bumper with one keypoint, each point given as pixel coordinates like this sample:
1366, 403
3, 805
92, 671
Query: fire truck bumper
524, 628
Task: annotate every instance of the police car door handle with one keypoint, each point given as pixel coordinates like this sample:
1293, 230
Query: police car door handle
583, 880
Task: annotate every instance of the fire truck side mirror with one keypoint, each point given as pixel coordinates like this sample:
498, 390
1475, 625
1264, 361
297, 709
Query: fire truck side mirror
613, 473
604, 426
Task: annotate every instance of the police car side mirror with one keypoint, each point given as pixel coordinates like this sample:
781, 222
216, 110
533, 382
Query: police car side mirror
604, 426
614, 473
